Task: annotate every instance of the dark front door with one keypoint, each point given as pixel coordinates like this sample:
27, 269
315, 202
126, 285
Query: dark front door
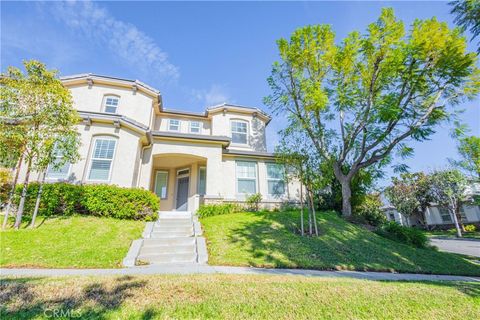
182, 193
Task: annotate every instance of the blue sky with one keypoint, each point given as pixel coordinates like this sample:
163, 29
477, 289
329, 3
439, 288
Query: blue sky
198, 53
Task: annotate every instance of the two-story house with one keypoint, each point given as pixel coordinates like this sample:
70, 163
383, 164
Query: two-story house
129, 139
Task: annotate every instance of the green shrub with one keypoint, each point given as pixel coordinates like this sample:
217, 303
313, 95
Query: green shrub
369, 211
253, 201
208, 210
97, 200
470, 228
121, 203
57, 198
407, 235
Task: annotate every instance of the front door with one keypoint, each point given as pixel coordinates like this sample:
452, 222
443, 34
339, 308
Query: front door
182, 193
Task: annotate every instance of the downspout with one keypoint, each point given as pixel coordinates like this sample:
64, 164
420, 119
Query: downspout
149, 145
149, 139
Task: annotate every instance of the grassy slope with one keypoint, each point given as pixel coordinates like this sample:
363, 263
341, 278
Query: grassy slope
72, 242
237, 297
268, 240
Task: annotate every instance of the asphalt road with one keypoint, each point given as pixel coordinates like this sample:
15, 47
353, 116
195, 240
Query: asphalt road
469, 247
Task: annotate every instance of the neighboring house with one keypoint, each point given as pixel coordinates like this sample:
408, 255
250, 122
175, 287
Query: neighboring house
129, 139
437, 216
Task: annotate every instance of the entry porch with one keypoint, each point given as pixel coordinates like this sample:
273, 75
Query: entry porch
179, 181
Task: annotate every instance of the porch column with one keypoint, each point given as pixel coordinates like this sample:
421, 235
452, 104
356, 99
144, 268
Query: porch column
146, 164
215, 173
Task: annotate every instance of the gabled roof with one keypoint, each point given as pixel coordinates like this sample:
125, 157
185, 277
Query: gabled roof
91, 78
239, 108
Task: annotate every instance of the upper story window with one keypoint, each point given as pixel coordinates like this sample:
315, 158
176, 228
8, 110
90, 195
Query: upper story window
111, 104
173, 125
59, 172
445, 214
194, 126
275, 179
239, 131
102, 159
246, 177
463, 214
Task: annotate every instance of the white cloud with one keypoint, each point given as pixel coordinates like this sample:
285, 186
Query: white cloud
216, 94
121, 38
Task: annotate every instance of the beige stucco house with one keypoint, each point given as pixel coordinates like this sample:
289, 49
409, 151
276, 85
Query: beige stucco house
129, 139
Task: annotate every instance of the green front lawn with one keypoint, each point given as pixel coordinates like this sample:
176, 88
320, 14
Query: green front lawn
69, 242
268, 240
235, 297
452, 233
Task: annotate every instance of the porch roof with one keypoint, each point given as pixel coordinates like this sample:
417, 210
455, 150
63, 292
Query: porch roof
224, 140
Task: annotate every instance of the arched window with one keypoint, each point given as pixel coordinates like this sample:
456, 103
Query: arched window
239, 132
101, 159
110, 104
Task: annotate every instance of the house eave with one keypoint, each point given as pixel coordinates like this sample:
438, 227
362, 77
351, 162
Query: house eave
249, 154
91, 79
224, 141
114, 119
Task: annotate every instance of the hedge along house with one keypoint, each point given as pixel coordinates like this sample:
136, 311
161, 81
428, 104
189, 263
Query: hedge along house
129, 139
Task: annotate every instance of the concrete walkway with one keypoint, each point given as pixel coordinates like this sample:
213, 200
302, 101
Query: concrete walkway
206, 269
466, 246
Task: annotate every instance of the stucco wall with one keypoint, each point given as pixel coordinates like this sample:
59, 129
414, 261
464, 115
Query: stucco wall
161, 123
135, 105
123, 166
292, 188
221, 126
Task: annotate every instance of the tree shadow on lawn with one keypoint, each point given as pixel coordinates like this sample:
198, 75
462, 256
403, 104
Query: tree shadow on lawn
273, 240
22, 298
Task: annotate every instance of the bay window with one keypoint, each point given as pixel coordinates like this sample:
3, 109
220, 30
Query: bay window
239, 131
111, 104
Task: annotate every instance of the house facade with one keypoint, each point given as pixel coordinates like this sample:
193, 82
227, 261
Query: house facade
439, 217
129, 139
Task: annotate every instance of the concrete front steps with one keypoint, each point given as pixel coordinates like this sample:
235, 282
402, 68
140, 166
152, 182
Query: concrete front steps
175, 238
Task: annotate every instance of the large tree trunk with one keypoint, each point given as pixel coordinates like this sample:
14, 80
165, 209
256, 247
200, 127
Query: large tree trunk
346, 198
344, 181
21, 206
459, 216
12, 192
453, 213
37, 203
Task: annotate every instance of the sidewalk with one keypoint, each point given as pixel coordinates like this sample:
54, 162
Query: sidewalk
206, 269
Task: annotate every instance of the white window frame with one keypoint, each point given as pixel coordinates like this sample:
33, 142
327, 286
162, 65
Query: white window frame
246, 133
94, 141
57, 156
199, 127
155, 184
463, 213
111, 96
274, 179
198, 184
441, 216
170, 125
183, 172
247, 178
